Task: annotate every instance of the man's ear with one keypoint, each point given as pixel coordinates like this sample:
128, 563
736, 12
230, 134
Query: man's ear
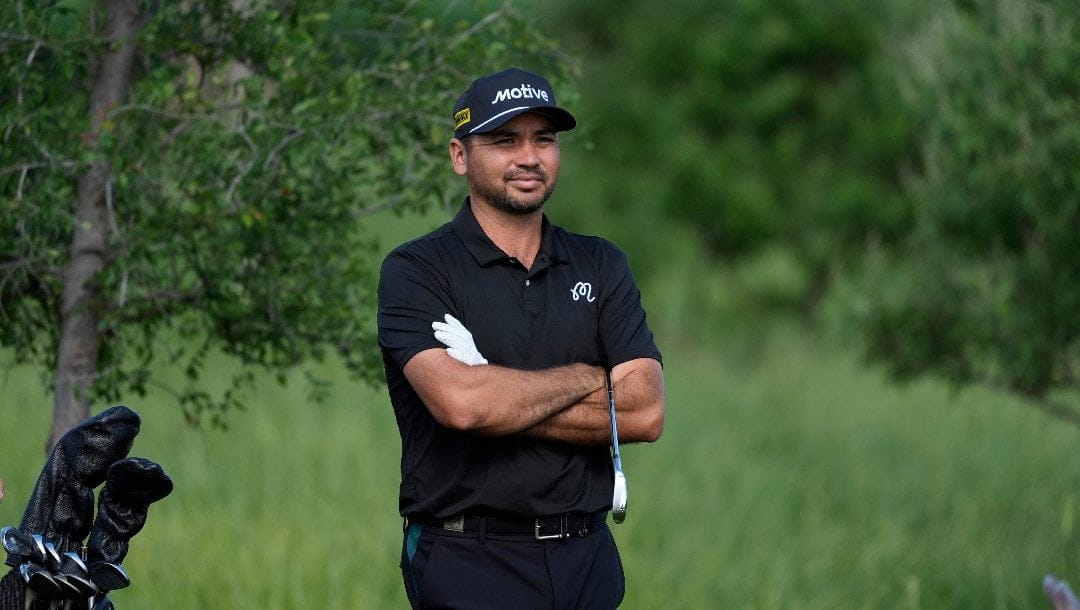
458, 155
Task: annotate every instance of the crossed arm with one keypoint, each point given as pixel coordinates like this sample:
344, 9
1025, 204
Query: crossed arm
639, 409
565, 403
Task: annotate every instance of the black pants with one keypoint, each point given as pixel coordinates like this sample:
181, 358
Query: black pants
449, 569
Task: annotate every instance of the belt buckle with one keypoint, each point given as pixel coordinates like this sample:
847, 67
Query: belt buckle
564, 529
559, 536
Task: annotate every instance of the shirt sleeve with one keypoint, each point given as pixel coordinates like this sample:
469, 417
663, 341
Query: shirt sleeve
624, 333
412, 294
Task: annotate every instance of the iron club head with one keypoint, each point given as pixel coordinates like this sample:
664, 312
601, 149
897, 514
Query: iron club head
40, 581
109, 576
68, 588
618, 501
18, 545
86, 587
39, 548
53, 561
15, 541
71, 563
75, 571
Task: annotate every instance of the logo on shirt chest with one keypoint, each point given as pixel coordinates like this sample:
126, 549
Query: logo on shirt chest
582, 290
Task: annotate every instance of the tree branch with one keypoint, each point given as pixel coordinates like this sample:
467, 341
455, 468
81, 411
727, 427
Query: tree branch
378, 207
157, 304
180, 116
276, 150
246, 169
18, 37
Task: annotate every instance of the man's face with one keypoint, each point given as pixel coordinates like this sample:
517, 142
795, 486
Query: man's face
515, 167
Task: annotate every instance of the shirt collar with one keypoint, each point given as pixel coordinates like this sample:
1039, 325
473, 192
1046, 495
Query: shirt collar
486, 252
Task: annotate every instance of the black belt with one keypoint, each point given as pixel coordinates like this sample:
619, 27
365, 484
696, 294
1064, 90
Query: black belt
556, 527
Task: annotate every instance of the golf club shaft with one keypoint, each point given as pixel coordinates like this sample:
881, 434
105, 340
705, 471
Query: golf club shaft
614, 426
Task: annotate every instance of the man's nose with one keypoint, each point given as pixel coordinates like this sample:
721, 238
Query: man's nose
527, 155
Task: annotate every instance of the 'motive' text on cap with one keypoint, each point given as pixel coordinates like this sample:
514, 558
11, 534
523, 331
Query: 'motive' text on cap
492, 100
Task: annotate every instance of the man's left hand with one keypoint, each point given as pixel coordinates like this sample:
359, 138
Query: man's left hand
458, 341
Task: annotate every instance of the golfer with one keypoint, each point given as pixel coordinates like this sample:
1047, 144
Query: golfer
497, 330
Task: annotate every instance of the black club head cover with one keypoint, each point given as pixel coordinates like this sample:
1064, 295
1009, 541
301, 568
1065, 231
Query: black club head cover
132, 485
61, 506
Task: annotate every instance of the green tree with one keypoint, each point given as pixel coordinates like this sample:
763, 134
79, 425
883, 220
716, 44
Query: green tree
755, 124
987, 288
178, 178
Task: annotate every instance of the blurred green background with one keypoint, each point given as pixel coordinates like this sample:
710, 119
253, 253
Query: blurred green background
856, 226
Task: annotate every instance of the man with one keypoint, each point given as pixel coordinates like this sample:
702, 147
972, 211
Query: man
497, 330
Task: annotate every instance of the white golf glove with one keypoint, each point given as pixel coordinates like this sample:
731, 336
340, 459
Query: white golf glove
458, 341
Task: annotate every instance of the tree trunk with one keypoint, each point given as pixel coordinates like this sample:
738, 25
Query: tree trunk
81, 311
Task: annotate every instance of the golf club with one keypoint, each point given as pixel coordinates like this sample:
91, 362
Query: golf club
40, 581
40, 554
618, 501
53, 561
18, 545
68, 588
109, 576
73, 564
77, 573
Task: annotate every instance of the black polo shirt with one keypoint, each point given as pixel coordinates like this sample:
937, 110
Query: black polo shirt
578, 303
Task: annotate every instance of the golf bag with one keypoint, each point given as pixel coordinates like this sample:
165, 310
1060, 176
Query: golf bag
51, 567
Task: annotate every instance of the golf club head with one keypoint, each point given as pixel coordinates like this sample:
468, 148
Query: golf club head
109, 576
25, 569
19, 546
619, 498
40, 581
53, 561
14, 541
73, 564
68, 588
40, 554
86, 587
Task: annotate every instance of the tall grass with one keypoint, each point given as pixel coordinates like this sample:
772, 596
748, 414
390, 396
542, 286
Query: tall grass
787, 477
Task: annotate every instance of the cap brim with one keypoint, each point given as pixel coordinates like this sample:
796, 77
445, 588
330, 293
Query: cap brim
563, 120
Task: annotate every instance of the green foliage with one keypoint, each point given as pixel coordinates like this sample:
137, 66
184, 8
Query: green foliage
913, 160
988, 287
759, 124
256, 139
